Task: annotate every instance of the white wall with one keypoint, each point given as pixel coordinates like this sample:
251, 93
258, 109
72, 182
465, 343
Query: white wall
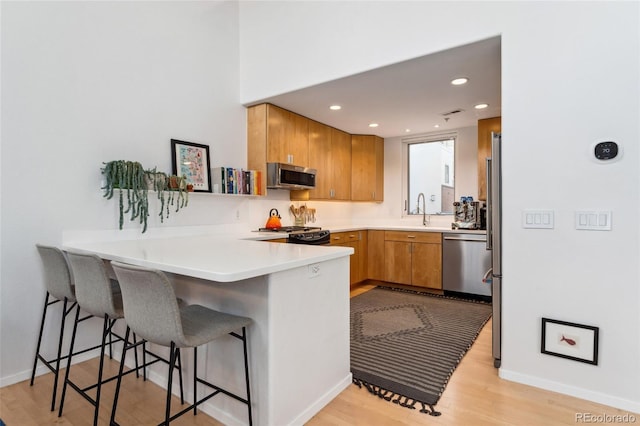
87, 82
570, 76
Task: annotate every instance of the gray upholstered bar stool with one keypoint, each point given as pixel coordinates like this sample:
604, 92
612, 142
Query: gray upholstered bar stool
100, 296
59, 285
153, 313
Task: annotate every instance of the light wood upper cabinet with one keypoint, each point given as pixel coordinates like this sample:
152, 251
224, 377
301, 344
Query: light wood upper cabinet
367, 168
330, 155
319, 159
485, 128
287, 137
340, 164
275, 135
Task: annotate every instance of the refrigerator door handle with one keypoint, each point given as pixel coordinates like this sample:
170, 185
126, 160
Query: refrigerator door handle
489, 208
488, 276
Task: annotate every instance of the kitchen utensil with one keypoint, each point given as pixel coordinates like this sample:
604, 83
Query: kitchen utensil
274, 220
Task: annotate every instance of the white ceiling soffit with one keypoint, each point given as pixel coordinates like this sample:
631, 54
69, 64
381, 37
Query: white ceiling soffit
416, 94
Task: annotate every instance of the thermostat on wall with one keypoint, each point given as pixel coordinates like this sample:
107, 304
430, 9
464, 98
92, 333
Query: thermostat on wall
606, 152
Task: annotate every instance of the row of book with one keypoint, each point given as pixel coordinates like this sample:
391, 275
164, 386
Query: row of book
227, 180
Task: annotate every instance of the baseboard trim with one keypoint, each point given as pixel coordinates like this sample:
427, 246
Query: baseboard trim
600, 398
302, 418
42, 369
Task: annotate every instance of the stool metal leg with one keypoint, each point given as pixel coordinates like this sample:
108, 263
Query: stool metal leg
195, 381
119, 380
246, 372
66, 373
44, 316
54, 369
172, 363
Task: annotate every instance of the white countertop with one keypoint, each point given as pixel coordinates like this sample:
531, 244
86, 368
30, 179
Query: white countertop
223, 258
233, 255
255, 235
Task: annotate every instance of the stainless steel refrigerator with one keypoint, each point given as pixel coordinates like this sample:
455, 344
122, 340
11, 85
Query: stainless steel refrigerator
494, 242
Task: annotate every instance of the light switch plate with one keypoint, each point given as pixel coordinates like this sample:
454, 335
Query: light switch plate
537, 219
593, 220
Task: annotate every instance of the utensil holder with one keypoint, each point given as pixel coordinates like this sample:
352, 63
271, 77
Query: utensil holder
299, 221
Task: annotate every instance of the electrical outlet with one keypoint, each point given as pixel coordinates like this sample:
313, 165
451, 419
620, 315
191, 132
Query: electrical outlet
313, 270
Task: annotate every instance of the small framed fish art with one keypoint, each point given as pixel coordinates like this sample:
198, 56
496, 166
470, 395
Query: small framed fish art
569, 340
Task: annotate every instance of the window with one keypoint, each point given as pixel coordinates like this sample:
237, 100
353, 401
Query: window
429, 169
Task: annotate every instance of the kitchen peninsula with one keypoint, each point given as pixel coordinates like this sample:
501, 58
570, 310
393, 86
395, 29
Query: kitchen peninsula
297, 296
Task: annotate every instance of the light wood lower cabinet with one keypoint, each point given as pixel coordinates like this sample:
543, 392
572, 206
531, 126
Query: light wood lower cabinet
358, 260
375, 255
413, 258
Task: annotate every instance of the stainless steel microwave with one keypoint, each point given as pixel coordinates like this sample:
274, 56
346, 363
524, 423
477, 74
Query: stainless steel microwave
288, 176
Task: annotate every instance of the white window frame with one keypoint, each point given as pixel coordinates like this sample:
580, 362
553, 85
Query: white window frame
427, 137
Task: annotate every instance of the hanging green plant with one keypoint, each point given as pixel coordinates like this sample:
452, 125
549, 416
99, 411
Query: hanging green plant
132, 180
127, 176
178, 193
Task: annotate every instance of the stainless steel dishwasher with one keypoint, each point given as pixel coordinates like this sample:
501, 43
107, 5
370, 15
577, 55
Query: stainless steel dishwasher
465, 259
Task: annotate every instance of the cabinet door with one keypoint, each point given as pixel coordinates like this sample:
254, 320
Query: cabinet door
363, 261
426, 262
367, 162
340, 154
485, 127
279, 130
397, 265
379, 187
299, 142
354, 262
375, 255
320, 159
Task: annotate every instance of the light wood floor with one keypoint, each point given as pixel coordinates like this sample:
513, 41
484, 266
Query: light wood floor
474, 396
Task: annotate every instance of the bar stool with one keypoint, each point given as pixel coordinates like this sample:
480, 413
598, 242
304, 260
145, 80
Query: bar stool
59, 285
152, 312
99, 295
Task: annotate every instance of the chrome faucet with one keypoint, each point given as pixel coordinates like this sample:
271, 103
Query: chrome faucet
424, 210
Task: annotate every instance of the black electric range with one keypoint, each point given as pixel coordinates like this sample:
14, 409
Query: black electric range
290, 229
311, 235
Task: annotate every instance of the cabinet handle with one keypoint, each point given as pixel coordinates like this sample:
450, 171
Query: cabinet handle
411, 236
373, 195
352, 236
336, 238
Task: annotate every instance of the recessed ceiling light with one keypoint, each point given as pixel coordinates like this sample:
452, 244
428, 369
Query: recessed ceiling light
459, 81
437, 125
335, 107
373, 125
407, 130
481, 106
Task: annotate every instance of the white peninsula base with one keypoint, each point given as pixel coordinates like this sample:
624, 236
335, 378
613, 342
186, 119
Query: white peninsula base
298, 344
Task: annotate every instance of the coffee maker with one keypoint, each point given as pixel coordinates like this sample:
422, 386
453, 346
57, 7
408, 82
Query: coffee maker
468, 214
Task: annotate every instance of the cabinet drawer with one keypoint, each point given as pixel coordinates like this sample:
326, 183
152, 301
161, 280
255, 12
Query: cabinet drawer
345, 237
414, 237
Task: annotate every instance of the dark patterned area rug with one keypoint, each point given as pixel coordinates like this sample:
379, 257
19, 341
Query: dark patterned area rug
406, 345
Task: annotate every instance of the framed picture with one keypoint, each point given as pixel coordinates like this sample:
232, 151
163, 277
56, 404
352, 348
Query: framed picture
568, 340
192, 160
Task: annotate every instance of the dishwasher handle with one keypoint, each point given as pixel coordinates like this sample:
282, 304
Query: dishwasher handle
473, 240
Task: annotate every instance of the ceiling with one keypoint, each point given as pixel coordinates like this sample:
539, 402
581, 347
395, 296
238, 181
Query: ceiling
414, 94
